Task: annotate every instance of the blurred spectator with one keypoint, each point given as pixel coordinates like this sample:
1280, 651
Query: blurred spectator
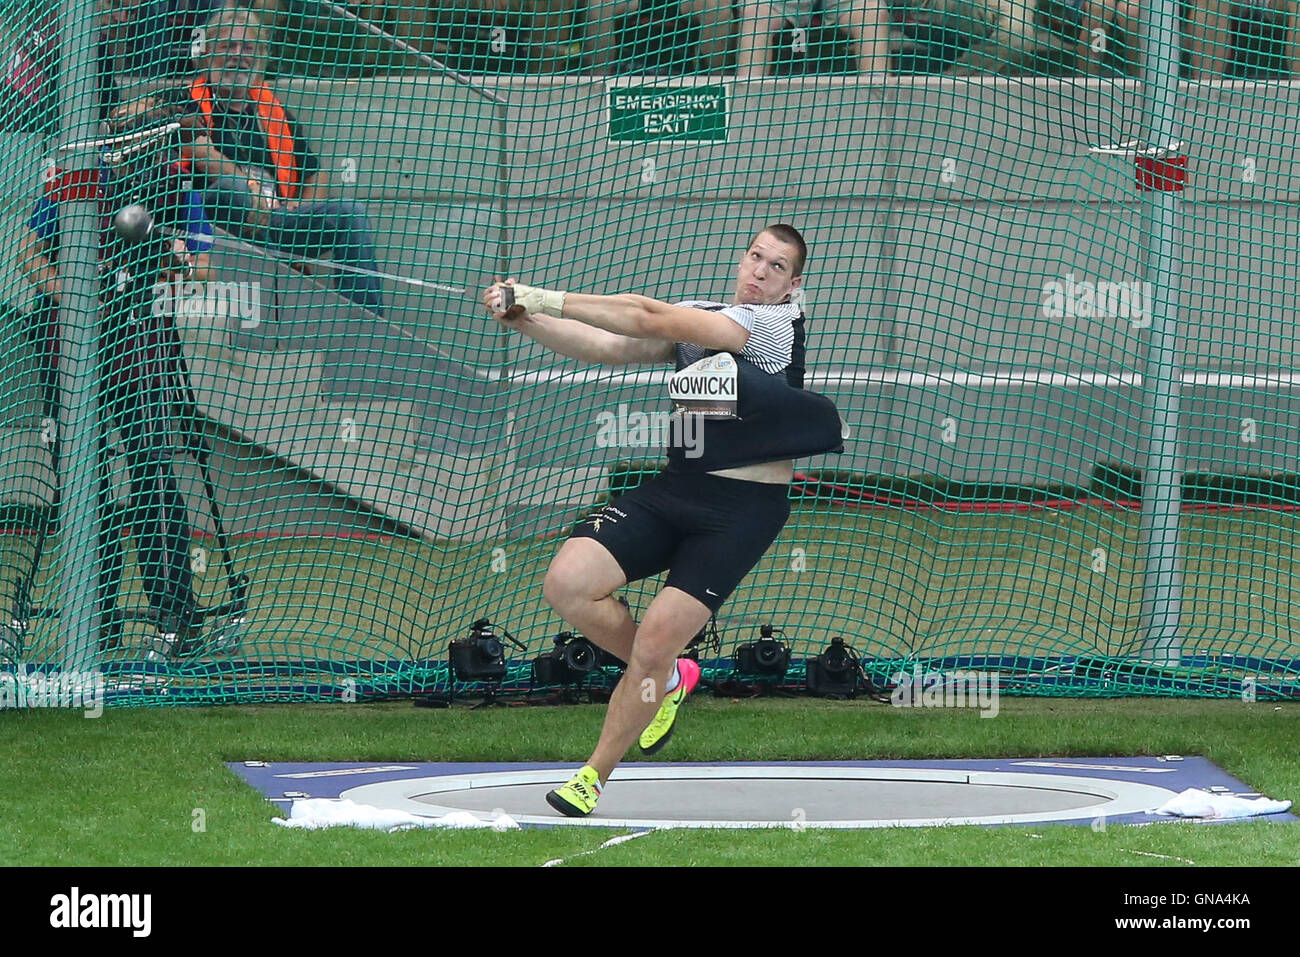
1290, 10
821, 47
133, 37
469, 36
487, 36
260, 178
156, 36
27, 102
1110, 32
1262, 40
658, 36
1207, 38
1099, 37
1005, 37
1219, 38
935, 34
30, 99
554, 39
865, 22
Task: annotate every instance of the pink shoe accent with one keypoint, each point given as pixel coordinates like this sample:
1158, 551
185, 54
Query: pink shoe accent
688, 675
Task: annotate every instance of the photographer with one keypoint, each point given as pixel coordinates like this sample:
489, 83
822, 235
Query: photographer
141, 385
259, 177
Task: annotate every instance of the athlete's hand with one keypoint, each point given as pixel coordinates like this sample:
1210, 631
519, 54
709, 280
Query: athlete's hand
499, 300
493, 297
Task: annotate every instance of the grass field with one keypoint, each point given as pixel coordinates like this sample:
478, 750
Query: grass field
122, 789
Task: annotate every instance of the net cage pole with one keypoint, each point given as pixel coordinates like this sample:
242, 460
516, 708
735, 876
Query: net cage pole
1161, 173
79, 226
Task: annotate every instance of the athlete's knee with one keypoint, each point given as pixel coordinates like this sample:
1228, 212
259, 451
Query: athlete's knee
652, 664
580, 573
656, 649
563, 586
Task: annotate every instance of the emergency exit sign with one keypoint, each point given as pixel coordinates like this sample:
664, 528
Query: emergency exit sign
668, 113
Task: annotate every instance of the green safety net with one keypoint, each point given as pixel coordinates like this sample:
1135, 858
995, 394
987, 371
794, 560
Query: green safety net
268, 445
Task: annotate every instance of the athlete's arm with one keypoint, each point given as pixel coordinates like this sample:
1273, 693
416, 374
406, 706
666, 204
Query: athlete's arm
641, 317
637, 317
577, 340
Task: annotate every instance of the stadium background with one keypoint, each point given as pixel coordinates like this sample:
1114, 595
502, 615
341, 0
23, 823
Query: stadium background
388, 482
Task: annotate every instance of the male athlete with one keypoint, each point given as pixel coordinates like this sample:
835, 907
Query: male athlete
706, 519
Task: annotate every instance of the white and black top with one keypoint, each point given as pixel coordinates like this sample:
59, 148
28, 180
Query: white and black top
776, 337
777, 419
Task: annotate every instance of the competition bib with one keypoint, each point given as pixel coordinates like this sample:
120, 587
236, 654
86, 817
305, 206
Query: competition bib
707, 387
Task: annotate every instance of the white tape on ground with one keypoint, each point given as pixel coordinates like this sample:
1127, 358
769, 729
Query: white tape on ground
1163, 856
621, 839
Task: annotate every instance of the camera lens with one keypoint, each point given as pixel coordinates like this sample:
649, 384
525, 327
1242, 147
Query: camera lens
835, 661
767, 653
580, 655
491, 647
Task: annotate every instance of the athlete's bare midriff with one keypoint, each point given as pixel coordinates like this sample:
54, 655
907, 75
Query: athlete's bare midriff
769, 473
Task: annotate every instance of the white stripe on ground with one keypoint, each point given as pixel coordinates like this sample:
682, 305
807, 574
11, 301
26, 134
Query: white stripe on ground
1164, 856
621, 839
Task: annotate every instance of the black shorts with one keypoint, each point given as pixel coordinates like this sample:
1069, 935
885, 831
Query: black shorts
706, 530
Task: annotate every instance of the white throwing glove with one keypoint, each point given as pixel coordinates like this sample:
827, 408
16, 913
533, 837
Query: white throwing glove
537, 300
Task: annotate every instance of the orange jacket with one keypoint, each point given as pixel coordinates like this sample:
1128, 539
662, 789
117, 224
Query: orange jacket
275, 125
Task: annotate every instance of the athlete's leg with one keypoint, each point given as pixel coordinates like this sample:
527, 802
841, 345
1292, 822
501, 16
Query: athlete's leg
579, 585
627, 540
737, 522
711, 531
672, 619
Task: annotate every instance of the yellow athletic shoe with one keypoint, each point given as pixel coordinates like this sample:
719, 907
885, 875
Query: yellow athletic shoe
661, 728
577, 798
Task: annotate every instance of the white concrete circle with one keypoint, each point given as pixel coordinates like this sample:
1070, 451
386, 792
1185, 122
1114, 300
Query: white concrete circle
521, 794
